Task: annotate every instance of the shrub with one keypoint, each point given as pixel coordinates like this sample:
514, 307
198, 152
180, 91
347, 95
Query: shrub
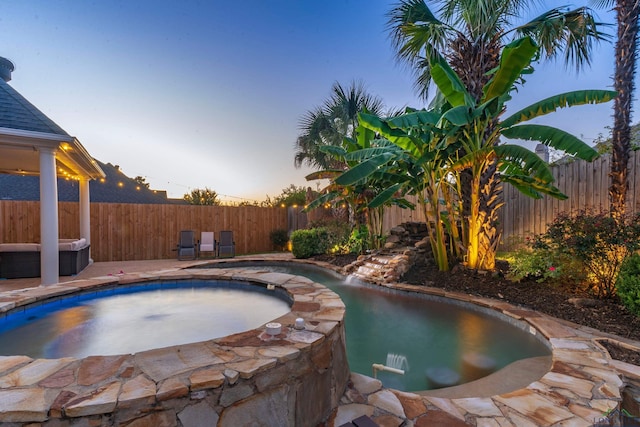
279, 238
628, 284
598, 241
307, 243
338, 234
357, 241
533, 264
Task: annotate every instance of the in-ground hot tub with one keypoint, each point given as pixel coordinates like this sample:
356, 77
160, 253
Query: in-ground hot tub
292, 378
139, 317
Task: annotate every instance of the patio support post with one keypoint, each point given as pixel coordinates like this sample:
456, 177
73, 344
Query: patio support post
85, 212
49, 257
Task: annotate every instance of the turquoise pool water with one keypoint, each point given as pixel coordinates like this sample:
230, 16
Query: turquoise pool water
129, 319
416, 332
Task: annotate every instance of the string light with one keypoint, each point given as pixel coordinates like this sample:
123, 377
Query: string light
223, 198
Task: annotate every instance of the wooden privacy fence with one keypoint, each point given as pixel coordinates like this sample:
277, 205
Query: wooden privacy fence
586, 184
122, 231
140, 231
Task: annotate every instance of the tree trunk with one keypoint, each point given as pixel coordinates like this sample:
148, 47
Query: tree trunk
484, 233
627, 17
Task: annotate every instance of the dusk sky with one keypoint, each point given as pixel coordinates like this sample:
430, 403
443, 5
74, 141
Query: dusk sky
195, 94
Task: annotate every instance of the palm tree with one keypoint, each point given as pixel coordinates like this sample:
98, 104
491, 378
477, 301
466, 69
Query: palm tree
627, 13
472, 33
327, 125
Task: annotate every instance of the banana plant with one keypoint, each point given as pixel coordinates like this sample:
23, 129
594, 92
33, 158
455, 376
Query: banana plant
490, 162
359, 193
461, 135
421, 152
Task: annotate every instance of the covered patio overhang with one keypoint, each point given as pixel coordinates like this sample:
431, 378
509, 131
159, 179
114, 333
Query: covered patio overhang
50, 156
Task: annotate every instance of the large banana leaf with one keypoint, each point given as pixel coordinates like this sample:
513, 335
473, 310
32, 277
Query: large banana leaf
553, 137
518, 160
324, 174
551, 104
532, 187
516, 57
364, 136
395, 135
385, 196
448, 82
363, 170
368, 153
321, 200
458, 116
414, 119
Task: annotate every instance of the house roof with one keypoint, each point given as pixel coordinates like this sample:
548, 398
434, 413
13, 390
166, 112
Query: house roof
115, 187
25, 130
18, 113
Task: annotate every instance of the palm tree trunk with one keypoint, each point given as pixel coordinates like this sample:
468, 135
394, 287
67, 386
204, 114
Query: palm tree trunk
627, 17
484, 232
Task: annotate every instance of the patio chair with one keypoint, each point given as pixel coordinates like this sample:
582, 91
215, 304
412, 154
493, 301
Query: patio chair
187, 245
226, 245
207, 243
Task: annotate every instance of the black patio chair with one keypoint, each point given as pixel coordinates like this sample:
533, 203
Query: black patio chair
226, 245
187, 245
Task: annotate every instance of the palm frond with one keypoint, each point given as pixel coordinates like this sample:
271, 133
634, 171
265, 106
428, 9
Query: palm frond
574, 32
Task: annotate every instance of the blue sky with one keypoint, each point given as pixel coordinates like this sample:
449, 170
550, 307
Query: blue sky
193, 94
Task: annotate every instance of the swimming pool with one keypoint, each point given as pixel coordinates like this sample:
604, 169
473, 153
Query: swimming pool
431, 338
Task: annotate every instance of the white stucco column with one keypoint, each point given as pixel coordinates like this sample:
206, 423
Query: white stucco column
49, 257
85, 212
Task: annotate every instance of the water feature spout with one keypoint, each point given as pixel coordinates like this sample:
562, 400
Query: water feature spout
380, 367
396, 363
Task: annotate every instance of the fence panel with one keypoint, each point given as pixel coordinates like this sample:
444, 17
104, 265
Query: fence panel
123, 231
587, 186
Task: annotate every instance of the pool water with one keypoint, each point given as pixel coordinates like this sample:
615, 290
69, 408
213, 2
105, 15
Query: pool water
136, 318
417, 333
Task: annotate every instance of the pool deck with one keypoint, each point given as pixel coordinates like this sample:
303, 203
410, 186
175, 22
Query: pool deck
576, 386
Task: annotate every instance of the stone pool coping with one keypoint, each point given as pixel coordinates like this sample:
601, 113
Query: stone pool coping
225, 380
582, 384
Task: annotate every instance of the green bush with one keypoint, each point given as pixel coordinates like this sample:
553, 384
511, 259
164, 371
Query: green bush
357, 241
628, 284
599, 242
279, 238
533, 264
310, 242
338, 234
